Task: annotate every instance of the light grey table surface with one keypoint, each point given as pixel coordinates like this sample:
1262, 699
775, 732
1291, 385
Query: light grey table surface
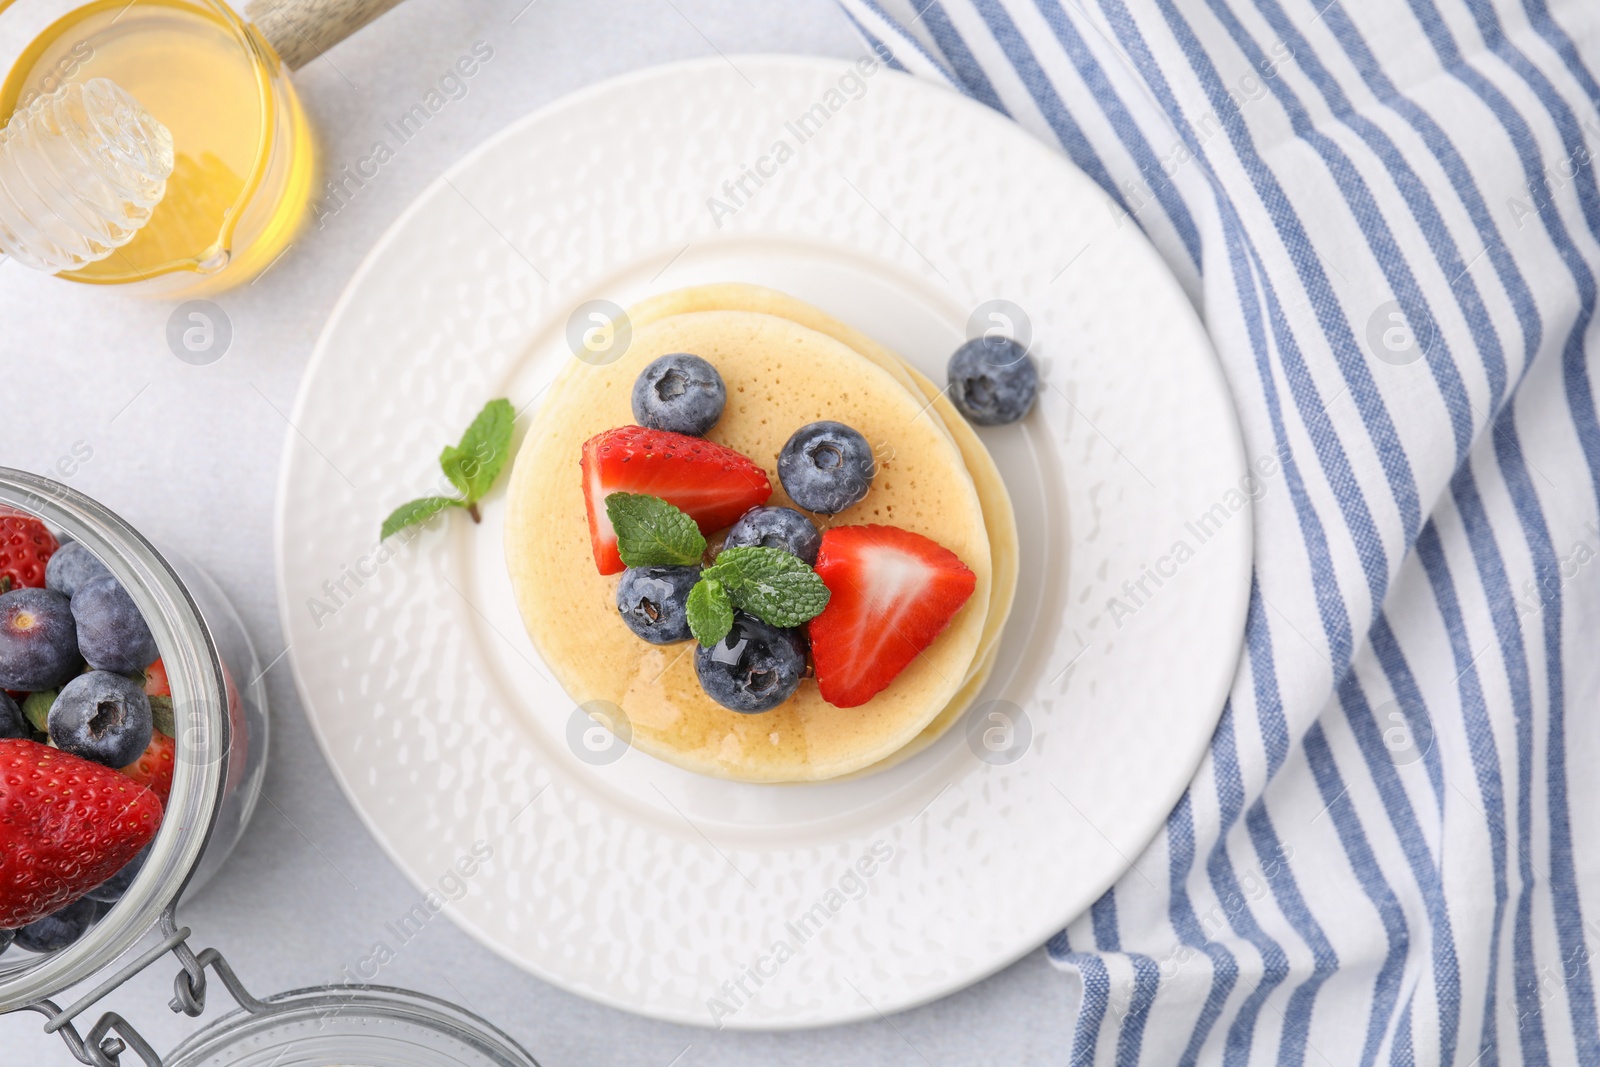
190, 456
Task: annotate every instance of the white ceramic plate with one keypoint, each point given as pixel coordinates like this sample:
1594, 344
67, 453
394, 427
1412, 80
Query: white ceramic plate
901, 208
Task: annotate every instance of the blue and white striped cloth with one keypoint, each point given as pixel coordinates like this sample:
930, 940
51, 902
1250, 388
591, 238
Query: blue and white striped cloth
1387, 212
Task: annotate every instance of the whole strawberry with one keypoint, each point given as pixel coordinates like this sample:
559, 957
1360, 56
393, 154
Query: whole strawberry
66, 825
26, 545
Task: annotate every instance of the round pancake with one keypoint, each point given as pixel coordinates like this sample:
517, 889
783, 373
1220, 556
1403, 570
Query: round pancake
780, 375
999, 517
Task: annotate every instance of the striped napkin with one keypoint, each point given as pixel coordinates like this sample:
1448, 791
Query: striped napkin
1387, 213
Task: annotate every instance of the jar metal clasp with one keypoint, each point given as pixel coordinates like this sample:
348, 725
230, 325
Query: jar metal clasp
113, 1035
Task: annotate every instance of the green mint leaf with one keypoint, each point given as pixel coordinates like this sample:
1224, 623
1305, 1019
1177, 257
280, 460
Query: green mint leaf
784, 599
653, 533
454, 463
776, 587
710, 613
36, 708
474, 464
415, 512
161, 714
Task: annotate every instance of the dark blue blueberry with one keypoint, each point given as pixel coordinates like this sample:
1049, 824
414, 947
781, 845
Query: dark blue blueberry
653, 602
680, 393
13, 724
774, 527
60, 928
103, 717
112, 635
826, 466
111, 890
6, 937
754, 668
71, 568
993, 380
38, 640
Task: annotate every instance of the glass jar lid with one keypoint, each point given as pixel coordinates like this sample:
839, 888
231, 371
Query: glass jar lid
350, 1026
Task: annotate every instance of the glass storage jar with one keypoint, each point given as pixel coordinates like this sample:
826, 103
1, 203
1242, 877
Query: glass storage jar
221, 728
221, 742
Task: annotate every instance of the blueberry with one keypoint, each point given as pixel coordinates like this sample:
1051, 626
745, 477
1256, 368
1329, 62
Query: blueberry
13, 724
103, 717
754, 668
6, 937
993, 380
826, 467
38, 640
112, 635
71, 568
111, 890
653, 602
60, 928
774, 527
680, 393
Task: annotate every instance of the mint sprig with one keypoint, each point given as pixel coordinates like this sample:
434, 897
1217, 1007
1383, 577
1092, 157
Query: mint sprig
471, 467
769, 583
776, 587
653, 533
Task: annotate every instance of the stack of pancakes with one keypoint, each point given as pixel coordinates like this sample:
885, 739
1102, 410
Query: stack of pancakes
785, 364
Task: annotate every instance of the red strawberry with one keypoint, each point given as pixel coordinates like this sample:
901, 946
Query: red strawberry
892, 593
153, 768
26, 545
66, 825
714, 485
155, 680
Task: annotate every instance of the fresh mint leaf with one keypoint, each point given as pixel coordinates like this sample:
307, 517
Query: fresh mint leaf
775, 586
710, 613
453, 462
471, 466
415, 512
653, 533
784, 599
474, 464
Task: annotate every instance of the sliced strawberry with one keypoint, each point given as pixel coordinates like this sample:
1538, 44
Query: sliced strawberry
714, 485
26, 545
155, 680
153, 768
891, 593
66, 825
